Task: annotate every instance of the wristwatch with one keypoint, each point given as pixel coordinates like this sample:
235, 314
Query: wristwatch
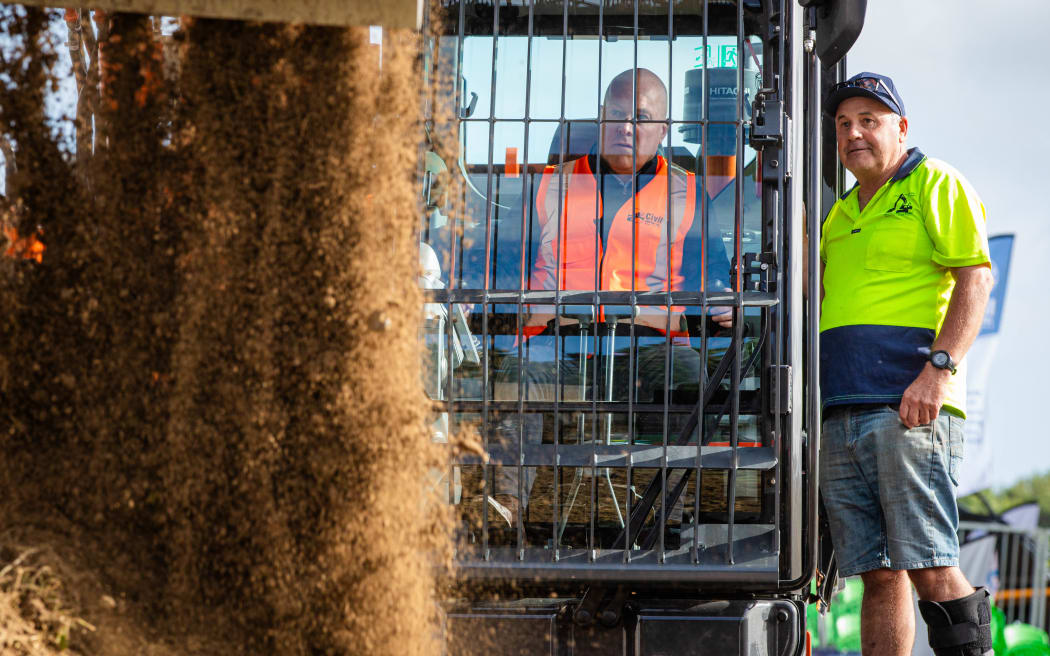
942, 360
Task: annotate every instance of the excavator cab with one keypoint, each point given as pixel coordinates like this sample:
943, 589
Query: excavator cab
628, 344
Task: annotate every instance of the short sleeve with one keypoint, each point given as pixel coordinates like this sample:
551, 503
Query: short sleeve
823, 232
955, 221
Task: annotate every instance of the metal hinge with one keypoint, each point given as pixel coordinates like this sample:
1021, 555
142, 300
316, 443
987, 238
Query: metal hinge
768, 111
768, 129
782, 375
759, 272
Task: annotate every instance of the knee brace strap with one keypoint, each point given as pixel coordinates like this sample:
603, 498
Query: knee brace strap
960, 627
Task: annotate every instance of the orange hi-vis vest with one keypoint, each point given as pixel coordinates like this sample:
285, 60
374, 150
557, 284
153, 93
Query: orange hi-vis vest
637, 242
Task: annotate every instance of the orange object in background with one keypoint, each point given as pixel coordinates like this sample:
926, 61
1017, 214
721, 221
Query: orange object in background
721, 170
23, 248
511, 167
1018, 594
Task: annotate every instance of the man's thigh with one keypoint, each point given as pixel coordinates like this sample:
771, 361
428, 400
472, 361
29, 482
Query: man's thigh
917, 478
850, 491
536, 371
659, 365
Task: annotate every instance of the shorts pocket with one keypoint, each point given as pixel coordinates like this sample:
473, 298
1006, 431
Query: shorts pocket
891, 246
955, 447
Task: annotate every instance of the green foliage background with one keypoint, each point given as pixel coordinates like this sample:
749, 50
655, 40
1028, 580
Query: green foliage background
1034, 488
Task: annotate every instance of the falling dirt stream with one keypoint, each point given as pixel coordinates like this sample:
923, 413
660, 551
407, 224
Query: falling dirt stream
211, 381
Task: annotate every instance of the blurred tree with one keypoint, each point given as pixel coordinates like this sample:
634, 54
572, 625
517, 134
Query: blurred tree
1033, 488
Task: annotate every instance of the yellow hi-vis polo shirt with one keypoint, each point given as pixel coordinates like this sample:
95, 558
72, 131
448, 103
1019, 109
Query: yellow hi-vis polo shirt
887, 281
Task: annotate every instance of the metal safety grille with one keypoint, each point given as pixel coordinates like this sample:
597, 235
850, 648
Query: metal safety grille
618, 342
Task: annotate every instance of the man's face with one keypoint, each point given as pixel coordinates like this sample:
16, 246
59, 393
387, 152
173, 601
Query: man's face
619, 137
870, 137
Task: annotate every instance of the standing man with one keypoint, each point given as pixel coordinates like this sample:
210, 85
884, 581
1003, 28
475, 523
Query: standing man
906, 275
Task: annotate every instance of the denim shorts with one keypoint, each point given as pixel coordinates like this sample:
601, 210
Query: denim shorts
889, 491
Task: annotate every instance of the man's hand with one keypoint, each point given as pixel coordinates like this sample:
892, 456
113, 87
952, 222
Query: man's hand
923, 399
723, 316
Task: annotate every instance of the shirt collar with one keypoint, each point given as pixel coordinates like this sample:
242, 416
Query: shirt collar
914, 158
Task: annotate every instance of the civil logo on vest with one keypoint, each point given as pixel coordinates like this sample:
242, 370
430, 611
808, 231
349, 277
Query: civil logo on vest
646, 217
902, 205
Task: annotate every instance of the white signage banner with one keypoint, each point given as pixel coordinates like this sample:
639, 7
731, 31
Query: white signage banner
979, 453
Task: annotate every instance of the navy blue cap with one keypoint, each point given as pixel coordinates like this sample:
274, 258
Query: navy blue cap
869, 85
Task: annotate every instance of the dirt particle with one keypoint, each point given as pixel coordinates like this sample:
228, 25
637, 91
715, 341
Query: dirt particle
380, 322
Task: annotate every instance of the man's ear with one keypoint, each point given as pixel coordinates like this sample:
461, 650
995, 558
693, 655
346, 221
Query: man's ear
904, 129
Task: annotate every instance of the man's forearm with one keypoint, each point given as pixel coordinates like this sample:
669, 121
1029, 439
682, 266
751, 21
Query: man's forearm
924, 397
962, 322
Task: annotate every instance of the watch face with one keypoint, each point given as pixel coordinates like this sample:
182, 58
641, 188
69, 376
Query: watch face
939, 360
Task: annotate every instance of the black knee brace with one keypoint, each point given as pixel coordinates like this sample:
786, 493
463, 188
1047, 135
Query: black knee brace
960, 627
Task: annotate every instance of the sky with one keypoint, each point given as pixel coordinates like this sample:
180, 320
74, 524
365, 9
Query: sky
973, 81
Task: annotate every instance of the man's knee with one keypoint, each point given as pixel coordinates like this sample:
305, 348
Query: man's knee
878, 581
959, 627
927, 578
940, 583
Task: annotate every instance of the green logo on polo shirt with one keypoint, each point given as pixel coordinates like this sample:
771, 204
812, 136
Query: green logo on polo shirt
902, 206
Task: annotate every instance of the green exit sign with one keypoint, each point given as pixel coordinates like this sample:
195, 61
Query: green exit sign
716, 56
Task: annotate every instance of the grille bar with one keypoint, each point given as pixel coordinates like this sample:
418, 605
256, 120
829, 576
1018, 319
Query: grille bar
600, 298
623, 455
